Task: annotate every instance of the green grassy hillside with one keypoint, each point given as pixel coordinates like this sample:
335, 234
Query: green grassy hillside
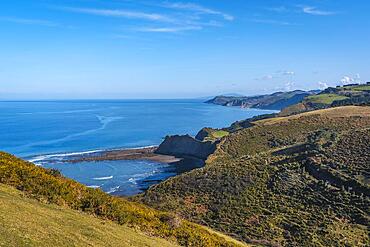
49, 187
326, 99
27, 222
293, 181
355, 94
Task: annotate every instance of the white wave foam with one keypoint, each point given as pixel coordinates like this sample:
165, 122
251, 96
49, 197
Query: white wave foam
93, 186
103, 178
133, 180
59, 156
37, 160
137, 177
150, 146
112, 190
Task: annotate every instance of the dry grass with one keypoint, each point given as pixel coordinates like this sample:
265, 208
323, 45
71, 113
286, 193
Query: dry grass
337, 112
27, 222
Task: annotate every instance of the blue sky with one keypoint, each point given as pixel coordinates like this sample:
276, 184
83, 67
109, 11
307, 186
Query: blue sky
179, 49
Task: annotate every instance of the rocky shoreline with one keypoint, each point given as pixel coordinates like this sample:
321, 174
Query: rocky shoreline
181, 163
181, 153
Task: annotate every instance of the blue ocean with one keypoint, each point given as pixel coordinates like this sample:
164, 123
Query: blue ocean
44, 132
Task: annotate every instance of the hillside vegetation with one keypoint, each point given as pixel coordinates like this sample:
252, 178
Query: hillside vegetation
354, 94
49, 187
28, 222
210, 134
301, 180
326, 98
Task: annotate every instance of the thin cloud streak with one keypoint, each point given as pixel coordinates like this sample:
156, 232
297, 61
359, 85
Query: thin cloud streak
121, 14
168, 29
310, 10
183, 17
315, 11
197, 8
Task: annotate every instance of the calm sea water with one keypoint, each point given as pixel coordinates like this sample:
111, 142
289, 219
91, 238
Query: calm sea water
47, 131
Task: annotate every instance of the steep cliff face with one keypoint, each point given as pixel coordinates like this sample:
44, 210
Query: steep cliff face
186, 146
203, 134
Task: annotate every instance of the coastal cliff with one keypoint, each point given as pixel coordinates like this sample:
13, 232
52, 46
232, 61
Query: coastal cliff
275, 101
186, 145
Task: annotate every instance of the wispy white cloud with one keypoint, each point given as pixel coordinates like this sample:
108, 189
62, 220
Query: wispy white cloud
208, 24
121, 14
351, 79
197, 8
182, 17
323, 85
24, 21
346, 80
311, 10
168, 29
357, 78
315, 11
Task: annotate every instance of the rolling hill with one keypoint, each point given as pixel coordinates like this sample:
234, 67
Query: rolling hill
301, 180
28, 222
297, 178
352, 94
48, 208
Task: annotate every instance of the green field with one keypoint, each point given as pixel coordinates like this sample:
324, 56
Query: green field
220, 133
214, 134
361, 88
326, 99
27, 222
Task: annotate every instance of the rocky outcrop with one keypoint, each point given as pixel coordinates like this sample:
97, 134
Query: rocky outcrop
203, 134
183, 146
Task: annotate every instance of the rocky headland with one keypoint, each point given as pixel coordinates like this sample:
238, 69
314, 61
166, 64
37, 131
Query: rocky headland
275, 101
185, 146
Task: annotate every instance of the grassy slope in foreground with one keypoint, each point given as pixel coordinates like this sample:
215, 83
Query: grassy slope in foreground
293, 181
50, 187
27, 222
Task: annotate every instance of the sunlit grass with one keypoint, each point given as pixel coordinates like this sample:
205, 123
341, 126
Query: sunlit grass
325, 98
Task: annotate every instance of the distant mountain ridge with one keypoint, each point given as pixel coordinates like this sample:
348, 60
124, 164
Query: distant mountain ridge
275, 101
